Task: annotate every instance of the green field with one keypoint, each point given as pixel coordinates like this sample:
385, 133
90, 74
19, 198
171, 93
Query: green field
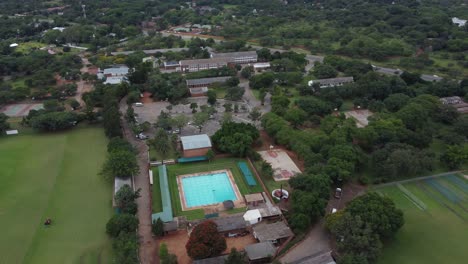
436, 222
56, 176
179, 169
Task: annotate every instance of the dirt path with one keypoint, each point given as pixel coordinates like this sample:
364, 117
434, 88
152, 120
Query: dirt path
148, 246
83, 86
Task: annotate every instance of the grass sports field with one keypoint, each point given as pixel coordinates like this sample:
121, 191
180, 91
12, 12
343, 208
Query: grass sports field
188, 168
436, 221
56, 176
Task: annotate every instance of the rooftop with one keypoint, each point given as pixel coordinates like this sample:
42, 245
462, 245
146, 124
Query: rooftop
214, 260
114, 80
254, 197
116, 71
260, 250
206, 61
271, 232
334, 80
196, 142
205, 81
234, 54
229, 223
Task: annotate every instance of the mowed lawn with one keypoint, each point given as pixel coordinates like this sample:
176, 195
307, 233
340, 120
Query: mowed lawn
435, 235
56, 176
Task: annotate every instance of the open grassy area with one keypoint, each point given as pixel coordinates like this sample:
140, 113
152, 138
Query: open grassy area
27, 47
56, 176
436, 221
179, 169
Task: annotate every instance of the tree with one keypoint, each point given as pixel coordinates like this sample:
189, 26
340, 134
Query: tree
454, 156
53, 121
210, 154
279, 104
161, 143
234, 93
227, 117
179, 121
235, 257
396, 101
194, 107
199, 120
233, 81
255, 114
324, 71
246, 72
119, 144
157, 227
74, 104
111, 119
3, 123
211, 97
295, 116
205, 241
121, 223
165, 256
121, 164
235, 138
299, 222
125, 199
126, 248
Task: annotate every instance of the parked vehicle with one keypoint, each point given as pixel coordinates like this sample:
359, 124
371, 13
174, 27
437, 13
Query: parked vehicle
142, 136
139, 104
338, 193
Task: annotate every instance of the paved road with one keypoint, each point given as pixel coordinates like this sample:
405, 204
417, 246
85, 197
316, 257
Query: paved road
315, 244
148, 247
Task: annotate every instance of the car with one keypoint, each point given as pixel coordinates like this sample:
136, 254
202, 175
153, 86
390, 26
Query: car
333, 210
176, 131
338, 192
139, 104
142, 136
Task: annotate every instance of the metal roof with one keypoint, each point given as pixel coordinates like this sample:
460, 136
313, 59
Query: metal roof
230, 223
116, 71
238, 54
206, 81
214, 260
335, 80
196, 142
260, 250
254, 197
271, 232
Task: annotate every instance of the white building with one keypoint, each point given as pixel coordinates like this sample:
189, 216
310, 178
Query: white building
458, 21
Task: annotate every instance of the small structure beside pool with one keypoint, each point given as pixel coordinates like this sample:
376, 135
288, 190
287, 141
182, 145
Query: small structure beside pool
195, 146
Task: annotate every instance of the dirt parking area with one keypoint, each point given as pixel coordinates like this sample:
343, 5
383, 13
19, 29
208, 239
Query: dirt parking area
176, 242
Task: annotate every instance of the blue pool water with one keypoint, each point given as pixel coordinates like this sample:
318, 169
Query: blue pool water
207, 189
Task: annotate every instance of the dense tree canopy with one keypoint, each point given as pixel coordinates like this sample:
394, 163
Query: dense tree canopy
205, 241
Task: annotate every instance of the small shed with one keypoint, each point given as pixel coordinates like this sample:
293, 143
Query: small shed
254, 199
12, 132
275, 233
196, 145
228, 204
253, 216
260, 252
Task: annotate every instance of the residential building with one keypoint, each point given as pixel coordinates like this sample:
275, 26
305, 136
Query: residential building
204, 82
198, 91
195, 146
459, 22
240, 57
260, 66
115, 80
231, 224
275, 233
203, 64
116, 71
253, 199
332, 82
260, 252
171, 65
451, 100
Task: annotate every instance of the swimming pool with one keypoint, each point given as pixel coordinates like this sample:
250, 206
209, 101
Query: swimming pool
206, 189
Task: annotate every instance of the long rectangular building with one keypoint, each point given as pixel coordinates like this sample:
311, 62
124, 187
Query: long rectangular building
204, 82
240, 57
332, 82
203, 64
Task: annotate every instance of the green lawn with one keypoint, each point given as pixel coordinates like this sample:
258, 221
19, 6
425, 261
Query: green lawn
179, 169
434, 235
56, 176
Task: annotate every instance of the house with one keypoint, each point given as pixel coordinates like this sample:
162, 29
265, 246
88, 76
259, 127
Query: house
459, 22
260, 252
332, 82
204, 82
252, 217
203, 64
240, 57
115, 80
213, 260
260, 66
231, 224
116, 71
198, 91
195, 146
451, 100
254, 199
171, 65
275, 233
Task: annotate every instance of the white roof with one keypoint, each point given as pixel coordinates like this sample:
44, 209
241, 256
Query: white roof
116, 71
251, 215
12, 132
114, 80
14, 45
458, 21
61, 29
196, 142
262, 65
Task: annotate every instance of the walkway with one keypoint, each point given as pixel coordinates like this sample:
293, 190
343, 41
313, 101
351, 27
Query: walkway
148, 247
83, 86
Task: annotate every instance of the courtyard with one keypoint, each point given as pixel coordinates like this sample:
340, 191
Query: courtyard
62, 183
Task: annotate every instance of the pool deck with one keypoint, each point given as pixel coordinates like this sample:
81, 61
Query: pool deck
239, 202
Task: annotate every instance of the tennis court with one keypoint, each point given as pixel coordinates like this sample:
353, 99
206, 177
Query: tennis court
19, 110
283, 166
